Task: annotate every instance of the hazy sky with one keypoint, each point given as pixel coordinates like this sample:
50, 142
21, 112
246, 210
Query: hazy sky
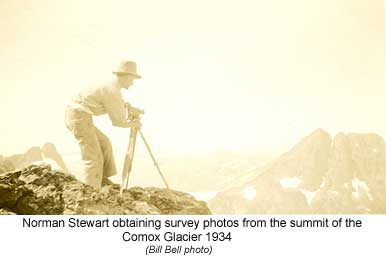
217, 75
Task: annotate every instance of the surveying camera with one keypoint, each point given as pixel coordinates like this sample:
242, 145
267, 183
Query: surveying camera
132, 112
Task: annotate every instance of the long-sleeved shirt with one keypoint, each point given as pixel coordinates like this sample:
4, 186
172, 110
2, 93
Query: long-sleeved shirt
101, 99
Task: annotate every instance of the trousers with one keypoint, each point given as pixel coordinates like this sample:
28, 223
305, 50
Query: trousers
95, 147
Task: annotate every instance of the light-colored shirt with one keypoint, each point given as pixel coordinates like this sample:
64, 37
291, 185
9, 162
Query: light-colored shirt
101, 99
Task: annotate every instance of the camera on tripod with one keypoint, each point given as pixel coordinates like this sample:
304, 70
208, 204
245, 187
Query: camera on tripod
132, 112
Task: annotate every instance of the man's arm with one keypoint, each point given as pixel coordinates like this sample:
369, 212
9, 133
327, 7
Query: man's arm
116, 109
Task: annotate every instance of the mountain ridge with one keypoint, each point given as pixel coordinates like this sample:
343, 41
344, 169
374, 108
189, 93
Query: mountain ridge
321, 169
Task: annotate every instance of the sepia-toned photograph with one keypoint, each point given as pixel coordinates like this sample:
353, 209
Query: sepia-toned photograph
192, 107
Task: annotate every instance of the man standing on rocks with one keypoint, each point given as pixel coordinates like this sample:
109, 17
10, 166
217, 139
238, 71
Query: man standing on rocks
95, 147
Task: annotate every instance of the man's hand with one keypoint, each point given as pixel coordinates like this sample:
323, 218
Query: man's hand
135, 124
135, 111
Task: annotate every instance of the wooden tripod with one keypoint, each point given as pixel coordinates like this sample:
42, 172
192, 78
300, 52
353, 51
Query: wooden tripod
129, 159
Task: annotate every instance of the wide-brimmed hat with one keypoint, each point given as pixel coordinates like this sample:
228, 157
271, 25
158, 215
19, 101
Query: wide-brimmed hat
127, 68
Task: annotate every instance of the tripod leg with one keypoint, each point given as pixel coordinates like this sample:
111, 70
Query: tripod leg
154, 161
128, 160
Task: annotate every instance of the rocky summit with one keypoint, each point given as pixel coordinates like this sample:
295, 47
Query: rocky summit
40, 190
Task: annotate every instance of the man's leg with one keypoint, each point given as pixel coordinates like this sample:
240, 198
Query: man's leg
109, 167
81, 125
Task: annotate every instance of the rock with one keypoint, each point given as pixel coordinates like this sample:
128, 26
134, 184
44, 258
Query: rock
142, 207
40, 190
6, 212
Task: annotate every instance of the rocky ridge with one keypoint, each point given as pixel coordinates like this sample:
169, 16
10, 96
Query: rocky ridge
40, 190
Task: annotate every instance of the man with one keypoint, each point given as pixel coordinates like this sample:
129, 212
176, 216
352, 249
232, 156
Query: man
96, 150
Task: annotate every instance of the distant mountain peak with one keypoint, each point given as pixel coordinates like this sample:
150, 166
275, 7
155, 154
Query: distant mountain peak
324, 167
319, 132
